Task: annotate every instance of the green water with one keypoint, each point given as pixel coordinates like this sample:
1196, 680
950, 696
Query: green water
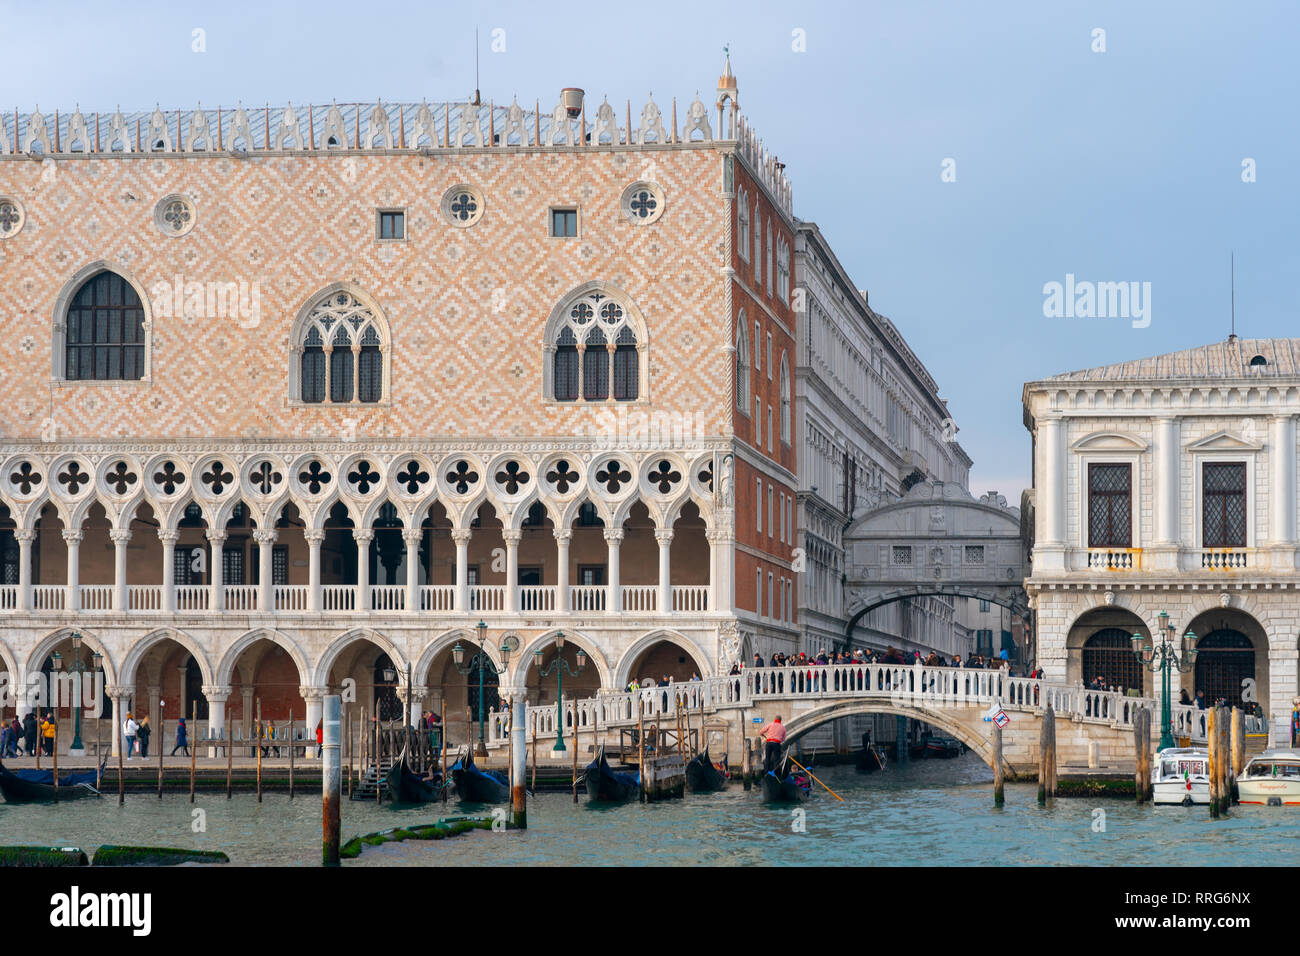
937, 812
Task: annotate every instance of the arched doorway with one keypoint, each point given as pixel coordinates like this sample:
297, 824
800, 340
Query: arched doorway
1225, 659
1108, 655
387, 704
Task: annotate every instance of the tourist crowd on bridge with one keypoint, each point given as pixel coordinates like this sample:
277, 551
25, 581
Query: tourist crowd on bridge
890, 656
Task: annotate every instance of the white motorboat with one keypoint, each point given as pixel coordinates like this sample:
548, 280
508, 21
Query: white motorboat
1181, 775
1271, 779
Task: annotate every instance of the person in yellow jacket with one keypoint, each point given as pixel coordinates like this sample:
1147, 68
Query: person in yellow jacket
48, 730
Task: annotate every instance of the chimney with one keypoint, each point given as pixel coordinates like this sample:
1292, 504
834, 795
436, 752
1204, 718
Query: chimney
571, 97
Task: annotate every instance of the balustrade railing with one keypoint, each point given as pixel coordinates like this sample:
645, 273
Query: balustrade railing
144, 597
437, 597
339, 597
241, 597
8, 597
690, 597
388, 597
536, 597
640, 597
1224, 559
49, 597
487, 597
587, 597
192, 597
1115, 559
96, 597
290, 597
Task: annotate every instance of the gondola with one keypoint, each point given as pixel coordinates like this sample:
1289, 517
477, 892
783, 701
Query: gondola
944, 747
786, 784
478, 786
406, 786
870, 760
34, 786
604, 784
704, 776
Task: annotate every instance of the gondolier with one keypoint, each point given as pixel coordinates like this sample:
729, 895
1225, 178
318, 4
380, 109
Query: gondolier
773, 737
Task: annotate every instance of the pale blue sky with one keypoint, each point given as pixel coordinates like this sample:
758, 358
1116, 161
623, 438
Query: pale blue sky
1123, 165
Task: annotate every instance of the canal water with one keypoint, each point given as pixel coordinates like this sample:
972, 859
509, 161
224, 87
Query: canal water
936, 812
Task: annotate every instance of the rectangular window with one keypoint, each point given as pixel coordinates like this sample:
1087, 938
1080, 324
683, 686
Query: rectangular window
758, 422
1223, 505
769, 429
595, 373
781, 535
771, 597
770, 522
974, 554
564, 223
758, 591
758, 505
984, 607
392, 224
232, 565
591, 575
1110, 514
769, 356
902, 554
758, 347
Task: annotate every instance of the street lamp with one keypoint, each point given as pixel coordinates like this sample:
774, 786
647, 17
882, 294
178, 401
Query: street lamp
509, 644
560, 667
1165, 657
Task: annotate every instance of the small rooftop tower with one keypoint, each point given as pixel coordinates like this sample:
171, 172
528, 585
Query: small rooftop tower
727, 94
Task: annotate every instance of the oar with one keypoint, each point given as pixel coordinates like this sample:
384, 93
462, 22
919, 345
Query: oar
814, 776
879, 762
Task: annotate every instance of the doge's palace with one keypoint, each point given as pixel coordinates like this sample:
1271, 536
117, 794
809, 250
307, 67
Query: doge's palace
303, 394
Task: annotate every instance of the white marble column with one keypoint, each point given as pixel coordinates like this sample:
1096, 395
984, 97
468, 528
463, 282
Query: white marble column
119, 696
722, 543
363, 537
413, 537
511, 538
120, 539
155, 695
216, 695
562, 538
1049, 552
461, 538
265, 569
72, 601
665, 538
217, 595
1282, 492
415, 709
246, 715
314, 540
614, 599
168, 539
315, 700
1166, 456
25, 538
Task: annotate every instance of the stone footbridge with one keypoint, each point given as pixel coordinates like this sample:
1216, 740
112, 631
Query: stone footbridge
954, 701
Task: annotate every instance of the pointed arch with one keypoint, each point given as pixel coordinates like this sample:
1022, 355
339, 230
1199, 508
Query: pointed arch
742, 364
340, 312
623, 675
43, 649
520, 664
226, 668
142, 646
596, 314
321, 673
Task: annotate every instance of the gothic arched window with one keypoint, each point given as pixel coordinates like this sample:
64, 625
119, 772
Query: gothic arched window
583, 366
105, 331
342, 341
742, 365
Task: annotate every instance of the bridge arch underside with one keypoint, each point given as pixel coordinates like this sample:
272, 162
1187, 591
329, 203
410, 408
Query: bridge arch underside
871, 597
945, 721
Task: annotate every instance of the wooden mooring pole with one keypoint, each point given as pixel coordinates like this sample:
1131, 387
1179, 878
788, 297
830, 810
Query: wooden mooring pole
746, 758
347, 737
379, 749
230, 752
1238, 748
518, 761
1225, 762
1051, 753
575, 751
1142, 751
55, 751
442, 740
640, 746
1212, 745
291, 750
331, 785
997, 766
162, 745
193, 728
121, 791
257, 746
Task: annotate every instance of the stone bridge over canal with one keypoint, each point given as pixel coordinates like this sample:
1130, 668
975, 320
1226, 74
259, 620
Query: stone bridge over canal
954, 701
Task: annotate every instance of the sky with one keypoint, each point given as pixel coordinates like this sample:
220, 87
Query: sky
959, 156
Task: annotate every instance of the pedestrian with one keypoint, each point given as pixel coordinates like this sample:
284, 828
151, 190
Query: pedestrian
48, 731
129, 731
29, 733
6, 741
142, 734
182, 738
16, 729
773, 737
1200, 699
320, 737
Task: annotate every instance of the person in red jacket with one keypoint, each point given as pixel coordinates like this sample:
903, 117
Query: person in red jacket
773, 737
320, 737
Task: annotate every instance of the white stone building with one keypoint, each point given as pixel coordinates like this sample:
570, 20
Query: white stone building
1169, 484
871, 426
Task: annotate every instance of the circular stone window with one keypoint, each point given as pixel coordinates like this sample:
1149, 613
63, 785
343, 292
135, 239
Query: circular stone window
174, 215
642, 203
462, 206
12, 217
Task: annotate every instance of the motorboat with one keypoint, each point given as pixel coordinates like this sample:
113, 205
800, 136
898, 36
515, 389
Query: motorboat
1181, 775
1271, 779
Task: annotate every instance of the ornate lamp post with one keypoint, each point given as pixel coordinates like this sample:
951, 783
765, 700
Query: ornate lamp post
560, 667
1165, 657
509, 644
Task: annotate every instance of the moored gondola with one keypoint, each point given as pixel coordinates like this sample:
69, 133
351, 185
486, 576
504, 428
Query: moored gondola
704, 776
406, 786
786, 784
606, 785
35, 786
478, 786
870, 758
